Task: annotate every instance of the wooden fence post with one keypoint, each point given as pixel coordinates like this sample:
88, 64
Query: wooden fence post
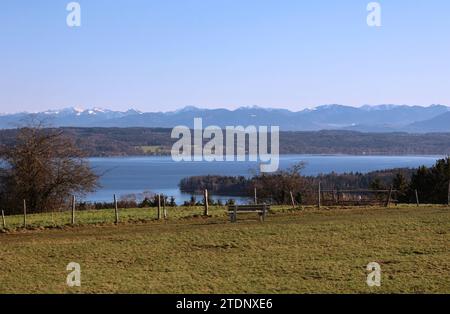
159, 207
292, 200
448, 194
3, 220
417, 198
24, 213
116, 210
388, 201
73, 209
263, 216
164, 208
319, 200
206, 212
255, 198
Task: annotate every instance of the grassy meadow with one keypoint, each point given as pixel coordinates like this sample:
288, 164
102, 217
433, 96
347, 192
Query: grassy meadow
294, 251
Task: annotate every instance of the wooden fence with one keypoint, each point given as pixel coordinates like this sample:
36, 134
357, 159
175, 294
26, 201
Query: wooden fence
324, 197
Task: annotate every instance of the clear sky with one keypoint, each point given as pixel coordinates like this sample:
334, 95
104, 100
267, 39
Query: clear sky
159, 55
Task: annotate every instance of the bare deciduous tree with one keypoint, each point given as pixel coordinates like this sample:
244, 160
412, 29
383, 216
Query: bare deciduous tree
43, 167
276, 187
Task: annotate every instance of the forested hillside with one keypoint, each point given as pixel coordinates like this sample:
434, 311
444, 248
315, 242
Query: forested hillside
157, 141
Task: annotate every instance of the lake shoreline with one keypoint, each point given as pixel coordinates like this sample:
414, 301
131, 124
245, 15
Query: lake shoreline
159, 174
286, 154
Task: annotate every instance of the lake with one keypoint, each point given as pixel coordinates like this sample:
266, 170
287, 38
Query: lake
134, 175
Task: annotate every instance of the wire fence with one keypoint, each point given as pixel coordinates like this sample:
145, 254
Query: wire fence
116, 212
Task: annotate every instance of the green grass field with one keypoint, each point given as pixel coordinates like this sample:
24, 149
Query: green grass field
306, 251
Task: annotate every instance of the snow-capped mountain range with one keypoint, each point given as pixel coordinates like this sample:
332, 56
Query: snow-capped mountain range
382, 118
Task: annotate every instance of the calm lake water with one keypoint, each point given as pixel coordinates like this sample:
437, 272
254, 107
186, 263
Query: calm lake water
135, 175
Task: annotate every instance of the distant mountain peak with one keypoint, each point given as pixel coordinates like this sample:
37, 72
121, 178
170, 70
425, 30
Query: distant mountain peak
332, 107
188, 108
381, 118
133, 111
76, 109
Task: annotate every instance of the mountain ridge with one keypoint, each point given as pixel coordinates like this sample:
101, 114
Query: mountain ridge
380, 118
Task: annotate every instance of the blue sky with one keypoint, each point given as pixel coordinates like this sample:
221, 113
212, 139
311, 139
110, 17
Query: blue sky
166, 54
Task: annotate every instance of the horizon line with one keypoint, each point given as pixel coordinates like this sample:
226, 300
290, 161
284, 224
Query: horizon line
81, 109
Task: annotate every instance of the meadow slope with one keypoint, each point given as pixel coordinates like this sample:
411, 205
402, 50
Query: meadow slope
306, 251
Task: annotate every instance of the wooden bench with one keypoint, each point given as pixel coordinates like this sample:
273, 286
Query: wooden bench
261, 210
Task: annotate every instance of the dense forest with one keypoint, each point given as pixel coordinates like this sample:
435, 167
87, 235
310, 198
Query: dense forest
96, 142
243, 186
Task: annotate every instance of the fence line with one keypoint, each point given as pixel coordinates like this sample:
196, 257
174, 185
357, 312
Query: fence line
24, 213
164, 208
206, 212
3, 220
116, 210
73, 209
448, 194
159, 207
324, 197
292, 199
